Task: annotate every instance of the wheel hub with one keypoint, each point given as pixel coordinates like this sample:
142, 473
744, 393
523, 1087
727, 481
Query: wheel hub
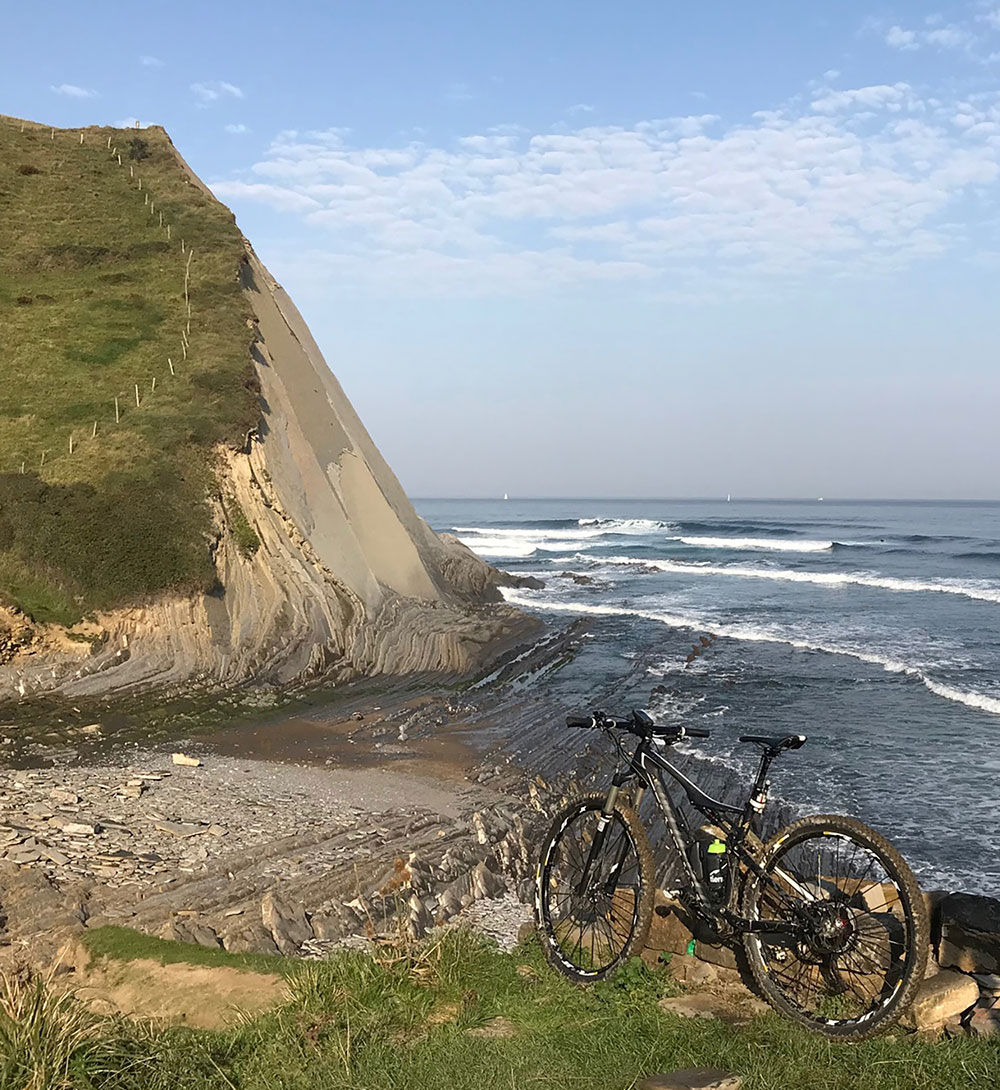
832, 929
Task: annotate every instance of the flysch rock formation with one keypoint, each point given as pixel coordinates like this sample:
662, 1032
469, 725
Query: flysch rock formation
348, 580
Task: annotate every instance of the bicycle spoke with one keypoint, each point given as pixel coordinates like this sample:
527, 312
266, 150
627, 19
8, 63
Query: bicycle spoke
852, 952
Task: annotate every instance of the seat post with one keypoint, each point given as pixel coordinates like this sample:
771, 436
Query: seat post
766, 757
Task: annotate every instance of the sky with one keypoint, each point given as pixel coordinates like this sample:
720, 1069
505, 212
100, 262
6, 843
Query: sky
580, 249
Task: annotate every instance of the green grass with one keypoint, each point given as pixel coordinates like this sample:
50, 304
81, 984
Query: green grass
124, 944
92, 305
400, 1022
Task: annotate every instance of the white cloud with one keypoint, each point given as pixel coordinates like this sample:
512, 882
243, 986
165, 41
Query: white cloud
581, 108
151, 62
214, 90
878, 97
72, 91
934, 33
899, 38
284, 200
238, 130
858, 182
949, 37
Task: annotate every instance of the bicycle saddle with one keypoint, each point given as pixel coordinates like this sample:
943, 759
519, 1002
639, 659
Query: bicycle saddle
776, 742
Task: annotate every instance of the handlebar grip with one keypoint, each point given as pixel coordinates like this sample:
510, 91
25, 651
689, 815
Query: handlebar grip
579, 721
690, 732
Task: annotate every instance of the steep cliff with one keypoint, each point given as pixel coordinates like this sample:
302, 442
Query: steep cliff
315, 563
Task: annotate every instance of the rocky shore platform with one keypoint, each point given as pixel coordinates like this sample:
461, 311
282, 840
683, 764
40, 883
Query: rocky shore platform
391, 815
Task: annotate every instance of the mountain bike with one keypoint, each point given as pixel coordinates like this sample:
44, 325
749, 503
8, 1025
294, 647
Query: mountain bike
831, 921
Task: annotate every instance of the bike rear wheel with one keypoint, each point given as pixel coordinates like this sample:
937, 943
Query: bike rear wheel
856, 946
594, 889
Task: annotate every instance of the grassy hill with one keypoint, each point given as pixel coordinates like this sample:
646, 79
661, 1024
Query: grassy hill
96, 513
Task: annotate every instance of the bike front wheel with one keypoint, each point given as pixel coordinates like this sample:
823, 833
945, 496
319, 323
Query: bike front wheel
848, 946
594, 889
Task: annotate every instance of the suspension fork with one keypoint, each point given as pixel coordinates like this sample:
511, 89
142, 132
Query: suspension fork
612, 883
607, 816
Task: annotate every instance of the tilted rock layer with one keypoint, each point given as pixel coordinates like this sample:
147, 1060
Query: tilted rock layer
346, 580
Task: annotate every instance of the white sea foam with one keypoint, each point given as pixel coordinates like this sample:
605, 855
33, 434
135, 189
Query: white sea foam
760, 634
511, 547
625, 526
519, 542
774, 543
979, 590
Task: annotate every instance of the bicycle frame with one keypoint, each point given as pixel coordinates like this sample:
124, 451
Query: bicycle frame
648, 766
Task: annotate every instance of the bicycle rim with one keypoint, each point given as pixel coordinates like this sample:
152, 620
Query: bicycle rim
858, 948
589, 931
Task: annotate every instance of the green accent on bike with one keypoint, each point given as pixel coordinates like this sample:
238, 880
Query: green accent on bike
690, 949
717, 847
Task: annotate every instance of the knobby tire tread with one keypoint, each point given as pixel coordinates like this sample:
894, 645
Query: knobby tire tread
647, 870
903, 999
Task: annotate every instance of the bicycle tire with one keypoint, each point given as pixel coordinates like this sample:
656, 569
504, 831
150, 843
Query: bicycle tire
894, 998
629, 824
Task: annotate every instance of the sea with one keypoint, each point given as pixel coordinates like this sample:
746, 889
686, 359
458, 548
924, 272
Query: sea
871, 627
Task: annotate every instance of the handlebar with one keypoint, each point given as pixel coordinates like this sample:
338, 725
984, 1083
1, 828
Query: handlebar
638, 723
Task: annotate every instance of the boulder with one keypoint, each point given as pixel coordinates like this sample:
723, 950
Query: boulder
420, 920
248, 935
286, 921
945, 996
519, 582
182, 929
969, 933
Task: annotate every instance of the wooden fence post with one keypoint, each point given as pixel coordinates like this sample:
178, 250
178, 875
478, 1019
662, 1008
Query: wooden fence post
137, 395
118, 414
93, 434
71, 442
170, 364
153, 387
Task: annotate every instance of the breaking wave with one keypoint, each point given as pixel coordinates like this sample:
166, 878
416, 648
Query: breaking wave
980, 592
777, 544
981, 701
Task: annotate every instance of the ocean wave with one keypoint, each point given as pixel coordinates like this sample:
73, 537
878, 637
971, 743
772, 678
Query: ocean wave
519, 546
981, 701
777, 544
528, 533
823, 579
626, 526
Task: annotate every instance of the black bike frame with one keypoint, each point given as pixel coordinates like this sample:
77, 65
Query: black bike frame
648, 766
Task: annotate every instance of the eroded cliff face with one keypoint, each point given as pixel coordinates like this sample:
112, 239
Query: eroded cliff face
346, 580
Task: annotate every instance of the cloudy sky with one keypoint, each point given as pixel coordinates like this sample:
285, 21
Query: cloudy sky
557, 248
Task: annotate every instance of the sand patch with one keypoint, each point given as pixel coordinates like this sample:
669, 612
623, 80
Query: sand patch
209, 997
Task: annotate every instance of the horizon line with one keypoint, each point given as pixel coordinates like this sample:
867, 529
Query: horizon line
720, 499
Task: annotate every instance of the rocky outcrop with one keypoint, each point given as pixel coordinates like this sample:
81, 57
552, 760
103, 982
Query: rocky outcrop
324, 567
